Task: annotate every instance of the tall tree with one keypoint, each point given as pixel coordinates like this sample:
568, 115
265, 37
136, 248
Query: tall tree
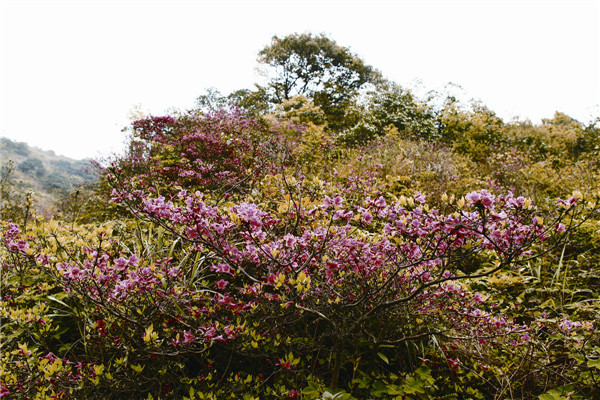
318, 68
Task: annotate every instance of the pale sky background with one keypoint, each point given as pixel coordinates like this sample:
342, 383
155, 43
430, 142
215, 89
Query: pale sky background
71, 71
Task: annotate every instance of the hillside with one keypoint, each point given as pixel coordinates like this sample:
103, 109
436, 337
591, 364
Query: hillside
45, 173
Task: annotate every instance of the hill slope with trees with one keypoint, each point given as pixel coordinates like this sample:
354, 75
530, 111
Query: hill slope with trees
44, 173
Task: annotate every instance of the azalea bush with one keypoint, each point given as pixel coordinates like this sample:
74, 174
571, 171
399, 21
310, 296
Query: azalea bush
236, 271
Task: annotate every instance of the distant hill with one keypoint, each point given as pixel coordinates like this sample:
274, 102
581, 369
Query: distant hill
45, 173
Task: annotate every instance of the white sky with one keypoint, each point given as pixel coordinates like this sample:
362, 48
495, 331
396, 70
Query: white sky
70, 71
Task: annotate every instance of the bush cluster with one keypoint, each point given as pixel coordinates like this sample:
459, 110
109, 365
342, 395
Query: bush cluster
229, 257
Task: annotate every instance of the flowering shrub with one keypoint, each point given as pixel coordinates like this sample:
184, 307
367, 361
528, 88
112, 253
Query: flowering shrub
239, 276
219, 151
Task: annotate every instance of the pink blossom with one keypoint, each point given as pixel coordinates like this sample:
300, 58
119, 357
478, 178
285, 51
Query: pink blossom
188, 337
473, 197
284, 364
223, 268
453, 363
222, 284
337, 201
420, 198
367, 218
209, 333
289, 240
133, 260
120, 264
3, 390
229, 332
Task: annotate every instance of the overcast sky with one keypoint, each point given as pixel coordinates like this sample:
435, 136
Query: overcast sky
71, 71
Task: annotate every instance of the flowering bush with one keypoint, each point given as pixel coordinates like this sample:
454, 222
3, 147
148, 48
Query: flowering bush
239, 276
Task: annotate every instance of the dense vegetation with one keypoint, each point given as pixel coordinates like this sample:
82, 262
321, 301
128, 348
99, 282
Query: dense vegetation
328, 235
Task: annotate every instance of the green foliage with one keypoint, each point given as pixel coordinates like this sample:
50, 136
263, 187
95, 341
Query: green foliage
588, 143
254, 102
388, 105
318, 68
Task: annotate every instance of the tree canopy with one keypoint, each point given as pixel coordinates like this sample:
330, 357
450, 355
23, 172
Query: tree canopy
318, 68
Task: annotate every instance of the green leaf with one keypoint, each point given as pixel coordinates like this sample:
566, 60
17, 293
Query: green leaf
384, 358
594, 363
138, 368
53, 298
425, 374
556, 336
578, 357
551, 396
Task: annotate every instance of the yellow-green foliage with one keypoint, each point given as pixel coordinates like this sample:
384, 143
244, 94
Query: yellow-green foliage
402, 166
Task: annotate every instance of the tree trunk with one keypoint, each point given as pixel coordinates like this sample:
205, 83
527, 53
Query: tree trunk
337, 365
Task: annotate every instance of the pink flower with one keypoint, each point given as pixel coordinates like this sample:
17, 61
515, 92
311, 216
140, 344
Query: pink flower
482, 197
223, 268
338, 214
284, 364
453, 363
188, 337
472, 197
337, 201
3, 391
290, 240
73, 273
420, 198
133, 260
272, 279
209, 334
23, 246
222, 284
120, 264
229, 331
249, 213
326, 203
